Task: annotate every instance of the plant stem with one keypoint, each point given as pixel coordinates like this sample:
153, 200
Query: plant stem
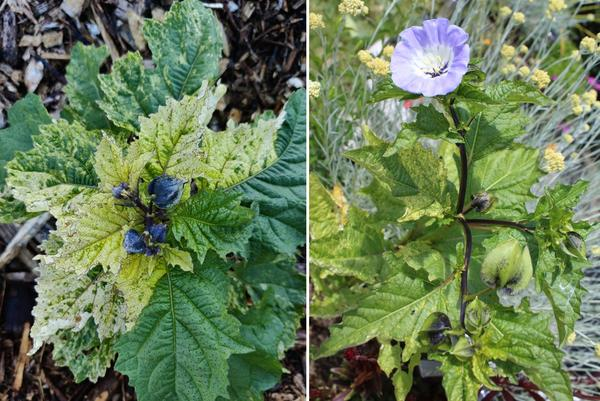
503, 223
460, 206
464, 279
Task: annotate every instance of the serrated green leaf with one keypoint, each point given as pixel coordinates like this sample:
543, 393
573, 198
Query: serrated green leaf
386, 89
459, 382
184, 336
492, 129
429, 123
211, 220
564, 292
59, 167
24, 120
525, 339
356, 251
326, 217
130, 91
239, 152
266, 271
421, 256
560, 197
396, 310
83, 86
174, 133
186, 47
507, 175
414, 173
517, 92
388, 170
279, 190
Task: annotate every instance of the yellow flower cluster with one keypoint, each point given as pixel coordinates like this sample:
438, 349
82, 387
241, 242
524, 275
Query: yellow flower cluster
576, 55
571, 338
315, 21
523, 49
507, 51
388, 51
519, 18
524, 71
590, 98
555, 161
508, 69
597, 349
584, 103
505, 11
576, 107
540, 78
568, 138
378, 65
555, 6
353, 7
588, 45
314, 89
364, 56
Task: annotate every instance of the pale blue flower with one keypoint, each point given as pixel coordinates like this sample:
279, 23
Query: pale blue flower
430, 60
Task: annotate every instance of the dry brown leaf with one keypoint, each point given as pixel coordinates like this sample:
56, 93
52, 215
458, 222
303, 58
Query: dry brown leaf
136, 22
73, 8
30, 40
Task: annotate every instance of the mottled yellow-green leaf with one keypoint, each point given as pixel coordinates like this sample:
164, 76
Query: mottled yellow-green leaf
59, 167
114, 168
175, 132
94, 234
136, 280
177, 258
239, 152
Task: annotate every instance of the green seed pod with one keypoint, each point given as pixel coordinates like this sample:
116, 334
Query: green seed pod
463, 348
521, 281
477, 316
500, 263
507, 266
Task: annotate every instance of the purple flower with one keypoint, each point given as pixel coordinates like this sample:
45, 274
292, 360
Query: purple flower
134, 242
158, 232
166, 191
432, 59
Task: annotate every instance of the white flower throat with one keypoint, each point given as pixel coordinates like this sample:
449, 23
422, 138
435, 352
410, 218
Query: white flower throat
434, 61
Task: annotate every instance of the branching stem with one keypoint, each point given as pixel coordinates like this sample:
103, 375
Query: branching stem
503, 223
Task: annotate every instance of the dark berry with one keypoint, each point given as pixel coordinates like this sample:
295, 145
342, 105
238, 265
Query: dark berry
158, 233
119, 191
134, 242
166, 191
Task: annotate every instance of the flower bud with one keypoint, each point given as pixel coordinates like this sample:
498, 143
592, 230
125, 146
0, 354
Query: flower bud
477, 316
463, 348
482, 202
436, 325
574, 245
120, 190
158, 233
134, 242
166, 191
